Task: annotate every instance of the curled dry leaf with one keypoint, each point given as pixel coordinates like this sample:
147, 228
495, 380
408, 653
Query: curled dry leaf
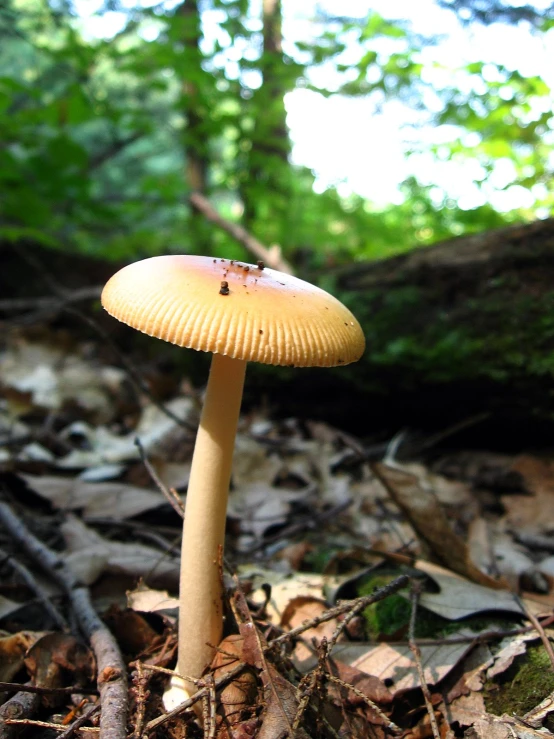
426, 515
149, 600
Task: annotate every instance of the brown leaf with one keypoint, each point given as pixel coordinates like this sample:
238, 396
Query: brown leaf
281, 706
241, 693
426, 515
534, 512
298, 610
57, 658
132, 631
12, 652
395, 663
372, 687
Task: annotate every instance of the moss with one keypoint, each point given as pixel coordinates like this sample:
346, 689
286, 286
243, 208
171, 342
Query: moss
391, 617
528, 681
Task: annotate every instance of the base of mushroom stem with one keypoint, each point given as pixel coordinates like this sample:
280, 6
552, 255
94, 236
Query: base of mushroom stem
178, 692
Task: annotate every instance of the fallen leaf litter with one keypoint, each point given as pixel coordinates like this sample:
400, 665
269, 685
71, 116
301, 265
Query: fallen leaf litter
284, 478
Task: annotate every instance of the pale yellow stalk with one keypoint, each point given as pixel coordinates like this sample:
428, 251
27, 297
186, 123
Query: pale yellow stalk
201, 606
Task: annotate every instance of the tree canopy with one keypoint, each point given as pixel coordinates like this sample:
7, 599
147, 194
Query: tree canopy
110, 121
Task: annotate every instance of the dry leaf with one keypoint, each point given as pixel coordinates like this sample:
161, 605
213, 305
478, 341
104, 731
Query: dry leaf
298, 610
133, 632
286, 587
12, 652
395, 666
158, 434
96, 499
242, 692
532, 513
458, 597
90, 555
56, 659
510, 648
423, 510
148, 600
372, 687
281, 705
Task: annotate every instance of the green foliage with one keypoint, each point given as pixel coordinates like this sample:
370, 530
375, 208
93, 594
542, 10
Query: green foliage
100, 135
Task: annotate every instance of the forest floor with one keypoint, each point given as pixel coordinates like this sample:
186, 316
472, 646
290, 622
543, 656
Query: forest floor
388, 597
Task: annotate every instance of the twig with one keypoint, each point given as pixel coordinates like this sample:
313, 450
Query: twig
47, 725
79, 722
112, 677
417, 658
33, 585
351, 607
362, 696
18, 707
72, 690
140, 683
272, 257
170, 494
182, 707
544, 638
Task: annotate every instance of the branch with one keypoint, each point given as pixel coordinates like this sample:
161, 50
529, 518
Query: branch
112, 675
272, 256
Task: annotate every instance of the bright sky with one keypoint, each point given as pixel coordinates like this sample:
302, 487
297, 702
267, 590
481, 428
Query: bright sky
348, 143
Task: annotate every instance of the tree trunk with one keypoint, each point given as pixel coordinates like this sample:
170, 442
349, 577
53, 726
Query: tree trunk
270, 145
195, 140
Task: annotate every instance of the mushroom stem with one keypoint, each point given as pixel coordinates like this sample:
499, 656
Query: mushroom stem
201, 605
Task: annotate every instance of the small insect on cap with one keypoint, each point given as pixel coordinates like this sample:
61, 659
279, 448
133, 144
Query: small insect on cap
239, 310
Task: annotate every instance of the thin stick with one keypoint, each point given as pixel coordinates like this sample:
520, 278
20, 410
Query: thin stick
544, 638
46, 725
417, 657
72, 690
220, 682
170, 494
112, 676
18, 707
272, 257
351, 607
79, 722
33, 585
362, 696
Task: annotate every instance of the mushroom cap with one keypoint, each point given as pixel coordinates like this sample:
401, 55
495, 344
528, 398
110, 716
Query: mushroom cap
259, 315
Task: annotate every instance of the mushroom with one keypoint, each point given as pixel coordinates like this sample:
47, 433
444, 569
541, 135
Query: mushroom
240, 313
